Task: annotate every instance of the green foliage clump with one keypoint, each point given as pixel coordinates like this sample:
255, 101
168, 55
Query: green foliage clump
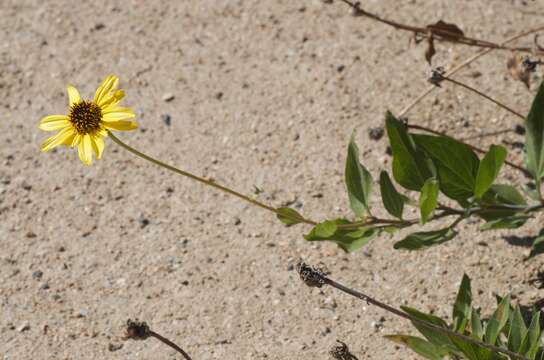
439, 168
506, 329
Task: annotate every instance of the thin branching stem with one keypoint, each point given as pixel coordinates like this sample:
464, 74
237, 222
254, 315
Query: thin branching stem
485, 96
203, 180
426, 32
464, 64
445, 212
169, 343
316, 278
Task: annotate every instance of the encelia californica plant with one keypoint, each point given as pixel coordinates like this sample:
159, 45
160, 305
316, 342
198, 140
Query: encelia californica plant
444, 178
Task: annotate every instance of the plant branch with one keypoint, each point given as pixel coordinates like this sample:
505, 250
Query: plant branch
465, 63
396, 222
205, 181
437, 78
316, 278
446, 211
169, 343
441, 34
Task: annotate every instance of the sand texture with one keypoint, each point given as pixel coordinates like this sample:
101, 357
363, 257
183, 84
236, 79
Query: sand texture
255, 95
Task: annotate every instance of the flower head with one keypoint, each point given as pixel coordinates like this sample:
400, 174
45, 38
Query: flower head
88, 122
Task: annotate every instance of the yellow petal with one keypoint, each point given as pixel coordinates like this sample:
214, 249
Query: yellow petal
54, 122
117, 113
103, 92
73, 95
98, 146
85, 150
76, 140
57, 139
100, 91
68, 141
109, 101
121, 125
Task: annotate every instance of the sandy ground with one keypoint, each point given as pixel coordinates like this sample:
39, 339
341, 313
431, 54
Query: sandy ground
265, 94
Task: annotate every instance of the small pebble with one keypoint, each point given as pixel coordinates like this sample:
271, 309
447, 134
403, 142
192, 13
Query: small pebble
167, 119
518, 145
376, 133
389, 151
519, 129
37, 274
143, 222
168, 97
25, 326
114, 347
45, 286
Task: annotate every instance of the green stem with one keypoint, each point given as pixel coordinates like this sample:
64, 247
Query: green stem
203, 180
446, 211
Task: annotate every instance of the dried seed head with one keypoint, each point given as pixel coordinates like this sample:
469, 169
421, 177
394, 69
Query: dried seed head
136, 330
311, 276
341, 352
530, 65
437, 76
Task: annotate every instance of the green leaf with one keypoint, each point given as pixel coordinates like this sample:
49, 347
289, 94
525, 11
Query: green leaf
530, 190
358, 180
518, 331
392, 199
456, 164
324, 230
348, 239
420, 346
433, 336
497, 322
462, 308
534, 142
428, 199
532, 340
489, 169
425, 239
289, 216
501, 195
470, 350
476, 325
508, 222
410, 165
538, 245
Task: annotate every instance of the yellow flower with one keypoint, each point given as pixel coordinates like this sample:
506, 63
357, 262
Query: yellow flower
89, 121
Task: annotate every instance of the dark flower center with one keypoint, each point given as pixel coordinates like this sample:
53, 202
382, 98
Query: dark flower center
86, 116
